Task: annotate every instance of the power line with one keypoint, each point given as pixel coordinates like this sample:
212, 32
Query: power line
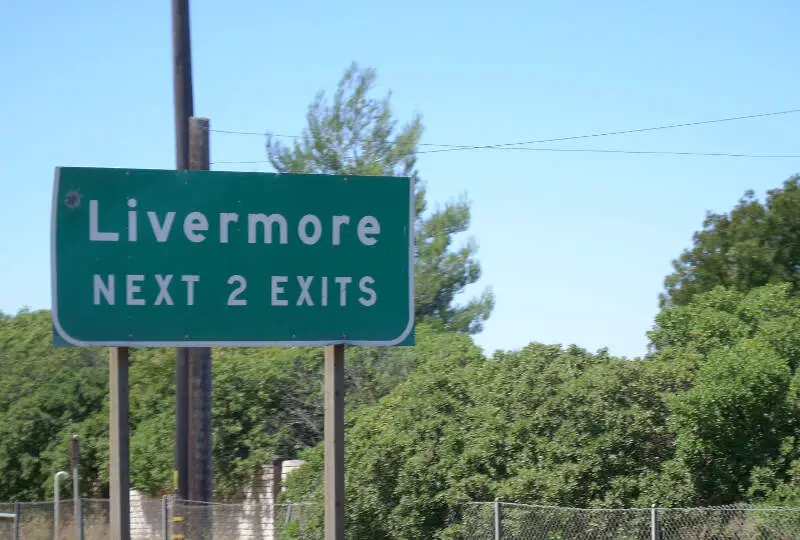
458, 147
255, 162
656, 152
593, 151
259, 133
622, 132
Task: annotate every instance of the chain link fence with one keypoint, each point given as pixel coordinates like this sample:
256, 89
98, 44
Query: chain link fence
151, 519
509, 521
8, 521
246, 520
164, 519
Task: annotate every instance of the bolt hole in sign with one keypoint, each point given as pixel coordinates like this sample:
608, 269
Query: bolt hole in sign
168, 258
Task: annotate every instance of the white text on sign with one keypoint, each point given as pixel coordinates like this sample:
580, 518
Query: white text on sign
196, 224
158, 290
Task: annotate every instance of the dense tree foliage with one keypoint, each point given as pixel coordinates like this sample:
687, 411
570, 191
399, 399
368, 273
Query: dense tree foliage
708, 419
46, 395
733, 358
266, 403
752, 245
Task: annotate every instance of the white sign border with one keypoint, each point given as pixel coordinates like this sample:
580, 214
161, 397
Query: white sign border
367, 343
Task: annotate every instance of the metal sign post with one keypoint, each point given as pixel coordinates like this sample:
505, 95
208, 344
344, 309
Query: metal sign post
334, 442
76, 492
119, 472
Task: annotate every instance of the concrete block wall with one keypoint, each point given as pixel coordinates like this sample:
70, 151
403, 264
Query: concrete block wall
251, 515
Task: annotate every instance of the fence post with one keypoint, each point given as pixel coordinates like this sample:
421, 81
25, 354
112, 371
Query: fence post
165, 517
76, 491
654, 522
17, 517
498, 521
79, 507
57, 503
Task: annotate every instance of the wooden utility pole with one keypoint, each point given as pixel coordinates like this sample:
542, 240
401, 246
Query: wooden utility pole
199, 376
334, 442
182, 80
192, 365
184, 108
119, 466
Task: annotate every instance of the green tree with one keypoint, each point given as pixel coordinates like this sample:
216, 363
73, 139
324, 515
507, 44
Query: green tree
729, 357
358, 135
266, 403
753, 245
46, 395
734, 419
546, 425
723, 317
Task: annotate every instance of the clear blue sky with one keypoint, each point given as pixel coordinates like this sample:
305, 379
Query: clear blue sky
576, 245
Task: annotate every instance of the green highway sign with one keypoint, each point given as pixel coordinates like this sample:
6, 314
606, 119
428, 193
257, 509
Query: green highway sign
167, 258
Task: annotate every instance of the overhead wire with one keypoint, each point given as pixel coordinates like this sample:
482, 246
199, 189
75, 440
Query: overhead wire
621, 132
596, 151
520, 145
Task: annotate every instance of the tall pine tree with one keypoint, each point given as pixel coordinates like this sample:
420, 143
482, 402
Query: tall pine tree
357, 135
